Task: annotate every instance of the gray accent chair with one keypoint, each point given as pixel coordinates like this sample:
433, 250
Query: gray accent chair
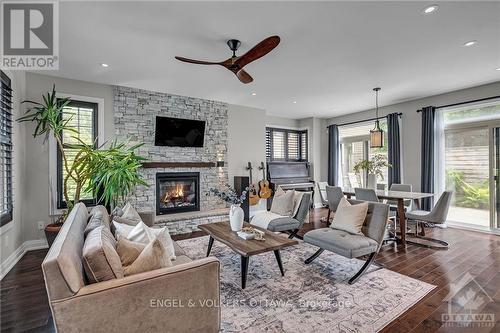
438, 215
292, 225
353, 245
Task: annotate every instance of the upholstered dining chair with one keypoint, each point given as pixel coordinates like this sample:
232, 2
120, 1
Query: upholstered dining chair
437, 215
365, 194
368, 194
380, 186
393, 204
353, 245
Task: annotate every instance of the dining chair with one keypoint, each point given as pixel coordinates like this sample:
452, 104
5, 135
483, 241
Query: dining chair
437, 215
322, 192
393, 204
366, 194
333, 196
380, 186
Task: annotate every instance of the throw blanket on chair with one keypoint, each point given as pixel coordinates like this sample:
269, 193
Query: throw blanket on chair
263, 219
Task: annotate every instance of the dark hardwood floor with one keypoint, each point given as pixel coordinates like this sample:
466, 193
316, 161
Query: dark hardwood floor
24, 304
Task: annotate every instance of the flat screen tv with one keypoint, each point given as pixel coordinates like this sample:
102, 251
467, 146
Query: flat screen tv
176, 132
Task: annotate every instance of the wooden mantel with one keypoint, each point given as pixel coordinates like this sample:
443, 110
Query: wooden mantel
152, 165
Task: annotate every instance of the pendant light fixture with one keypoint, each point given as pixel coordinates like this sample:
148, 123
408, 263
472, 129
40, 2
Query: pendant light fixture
376, 134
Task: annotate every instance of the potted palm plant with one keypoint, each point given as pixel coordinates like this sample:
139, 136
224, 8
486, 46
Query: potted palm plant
112, 172
373, 168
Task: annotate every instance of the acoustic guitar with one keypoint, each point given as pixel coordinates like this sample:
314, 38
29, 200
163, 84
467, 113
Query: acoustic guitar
264, 190
252, 192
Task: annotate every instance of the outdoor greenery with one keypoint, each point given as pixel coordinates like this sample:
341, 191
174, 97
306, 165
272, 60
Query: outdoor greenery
111, 172
466, 194
375, 165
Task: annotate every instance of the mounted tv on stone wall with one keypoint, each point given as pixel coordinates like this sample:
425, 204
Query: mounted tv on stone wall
177, 132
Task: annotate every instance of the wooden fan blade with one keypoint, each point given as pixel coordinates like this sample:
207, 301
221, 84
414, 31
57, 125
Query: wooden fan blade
199, 62
244, 76
258, 51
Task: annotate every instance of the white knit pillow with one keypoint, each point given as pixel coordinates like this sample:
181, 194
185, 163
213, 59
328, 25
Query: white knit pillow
349, 217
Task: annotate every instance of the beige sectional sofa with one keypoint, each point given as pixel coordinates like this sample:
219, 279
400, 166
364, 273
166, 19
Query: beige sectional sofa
182, 298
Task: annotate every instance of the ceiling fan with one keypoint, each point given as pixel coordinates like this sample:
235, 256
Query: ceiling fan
235, 64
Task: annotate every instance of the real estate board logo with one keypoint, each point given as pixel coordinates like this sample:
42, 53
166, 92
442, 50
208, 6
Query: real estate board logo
30, 36
468, 305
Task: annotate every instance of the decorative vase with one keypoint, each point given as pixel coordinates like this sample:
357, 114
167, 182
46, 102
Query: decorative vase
372, 181
236, 217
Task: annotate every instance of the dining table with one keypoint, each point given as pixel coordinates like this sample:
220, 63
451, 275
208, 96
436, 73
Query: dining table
400, 197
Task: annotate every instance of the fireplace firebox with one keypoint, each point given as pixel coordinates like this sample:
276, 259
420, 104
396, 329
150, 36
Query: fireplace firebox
177, 192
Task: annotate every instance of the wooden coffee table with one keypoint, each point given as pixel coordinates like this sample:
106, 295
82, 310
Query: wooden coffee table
222, 232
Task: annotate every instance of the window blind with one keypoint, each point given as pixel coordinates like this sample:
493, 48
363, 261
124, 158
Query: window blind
6, 196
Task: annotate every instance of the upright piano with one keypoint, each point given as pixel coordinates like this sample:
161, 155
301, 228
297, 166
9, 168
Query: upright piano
290, 176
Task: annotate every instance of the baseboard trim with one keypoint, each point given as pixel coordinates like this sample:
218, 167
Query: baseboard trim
14, 258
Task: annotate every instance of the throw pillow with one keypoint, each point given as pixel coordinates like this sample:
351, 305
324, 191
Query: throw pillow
143, 234
100, 259
94, 222
130, 213
153, 256
128, 250
283, 202
349, 217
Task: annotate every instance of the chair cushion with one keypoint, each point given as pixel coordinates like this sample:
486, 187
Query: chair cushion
416, 214
283, 223
341, 242
100, 259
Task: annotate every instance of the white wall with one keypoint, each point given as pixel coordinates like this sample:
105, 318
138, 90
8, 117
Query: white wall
273, 121
411, 123
246, 141
36, 177
11, 235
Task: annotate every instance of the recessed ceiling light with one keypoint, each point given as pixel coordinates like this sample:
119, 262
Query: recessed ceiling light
294, 102
254, 94
431, 9
497, 69
470, 43
104, 65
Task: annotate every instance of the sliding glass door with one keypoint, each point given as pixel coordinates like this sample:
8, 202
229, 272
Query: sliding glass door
469, 162
355, 147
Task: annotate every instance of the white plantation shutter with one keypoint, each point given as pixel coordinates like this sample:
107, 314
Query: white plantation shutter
286, 145
279, 146
6, 195
293, 146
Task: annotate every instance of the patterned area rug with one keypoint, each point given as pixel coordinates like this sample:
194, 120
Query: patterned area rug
309, 298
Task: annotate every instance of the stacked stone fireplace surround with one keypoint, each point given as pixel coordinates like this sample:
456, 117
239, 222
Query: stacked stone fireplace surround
135, 112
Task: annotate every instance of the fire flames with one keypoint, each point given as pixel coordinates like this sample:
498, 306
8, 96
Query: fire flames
174, 193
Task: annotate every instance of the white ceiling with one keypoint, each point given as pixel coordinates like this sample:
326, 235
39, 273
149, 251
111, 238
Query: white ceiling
330, 57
